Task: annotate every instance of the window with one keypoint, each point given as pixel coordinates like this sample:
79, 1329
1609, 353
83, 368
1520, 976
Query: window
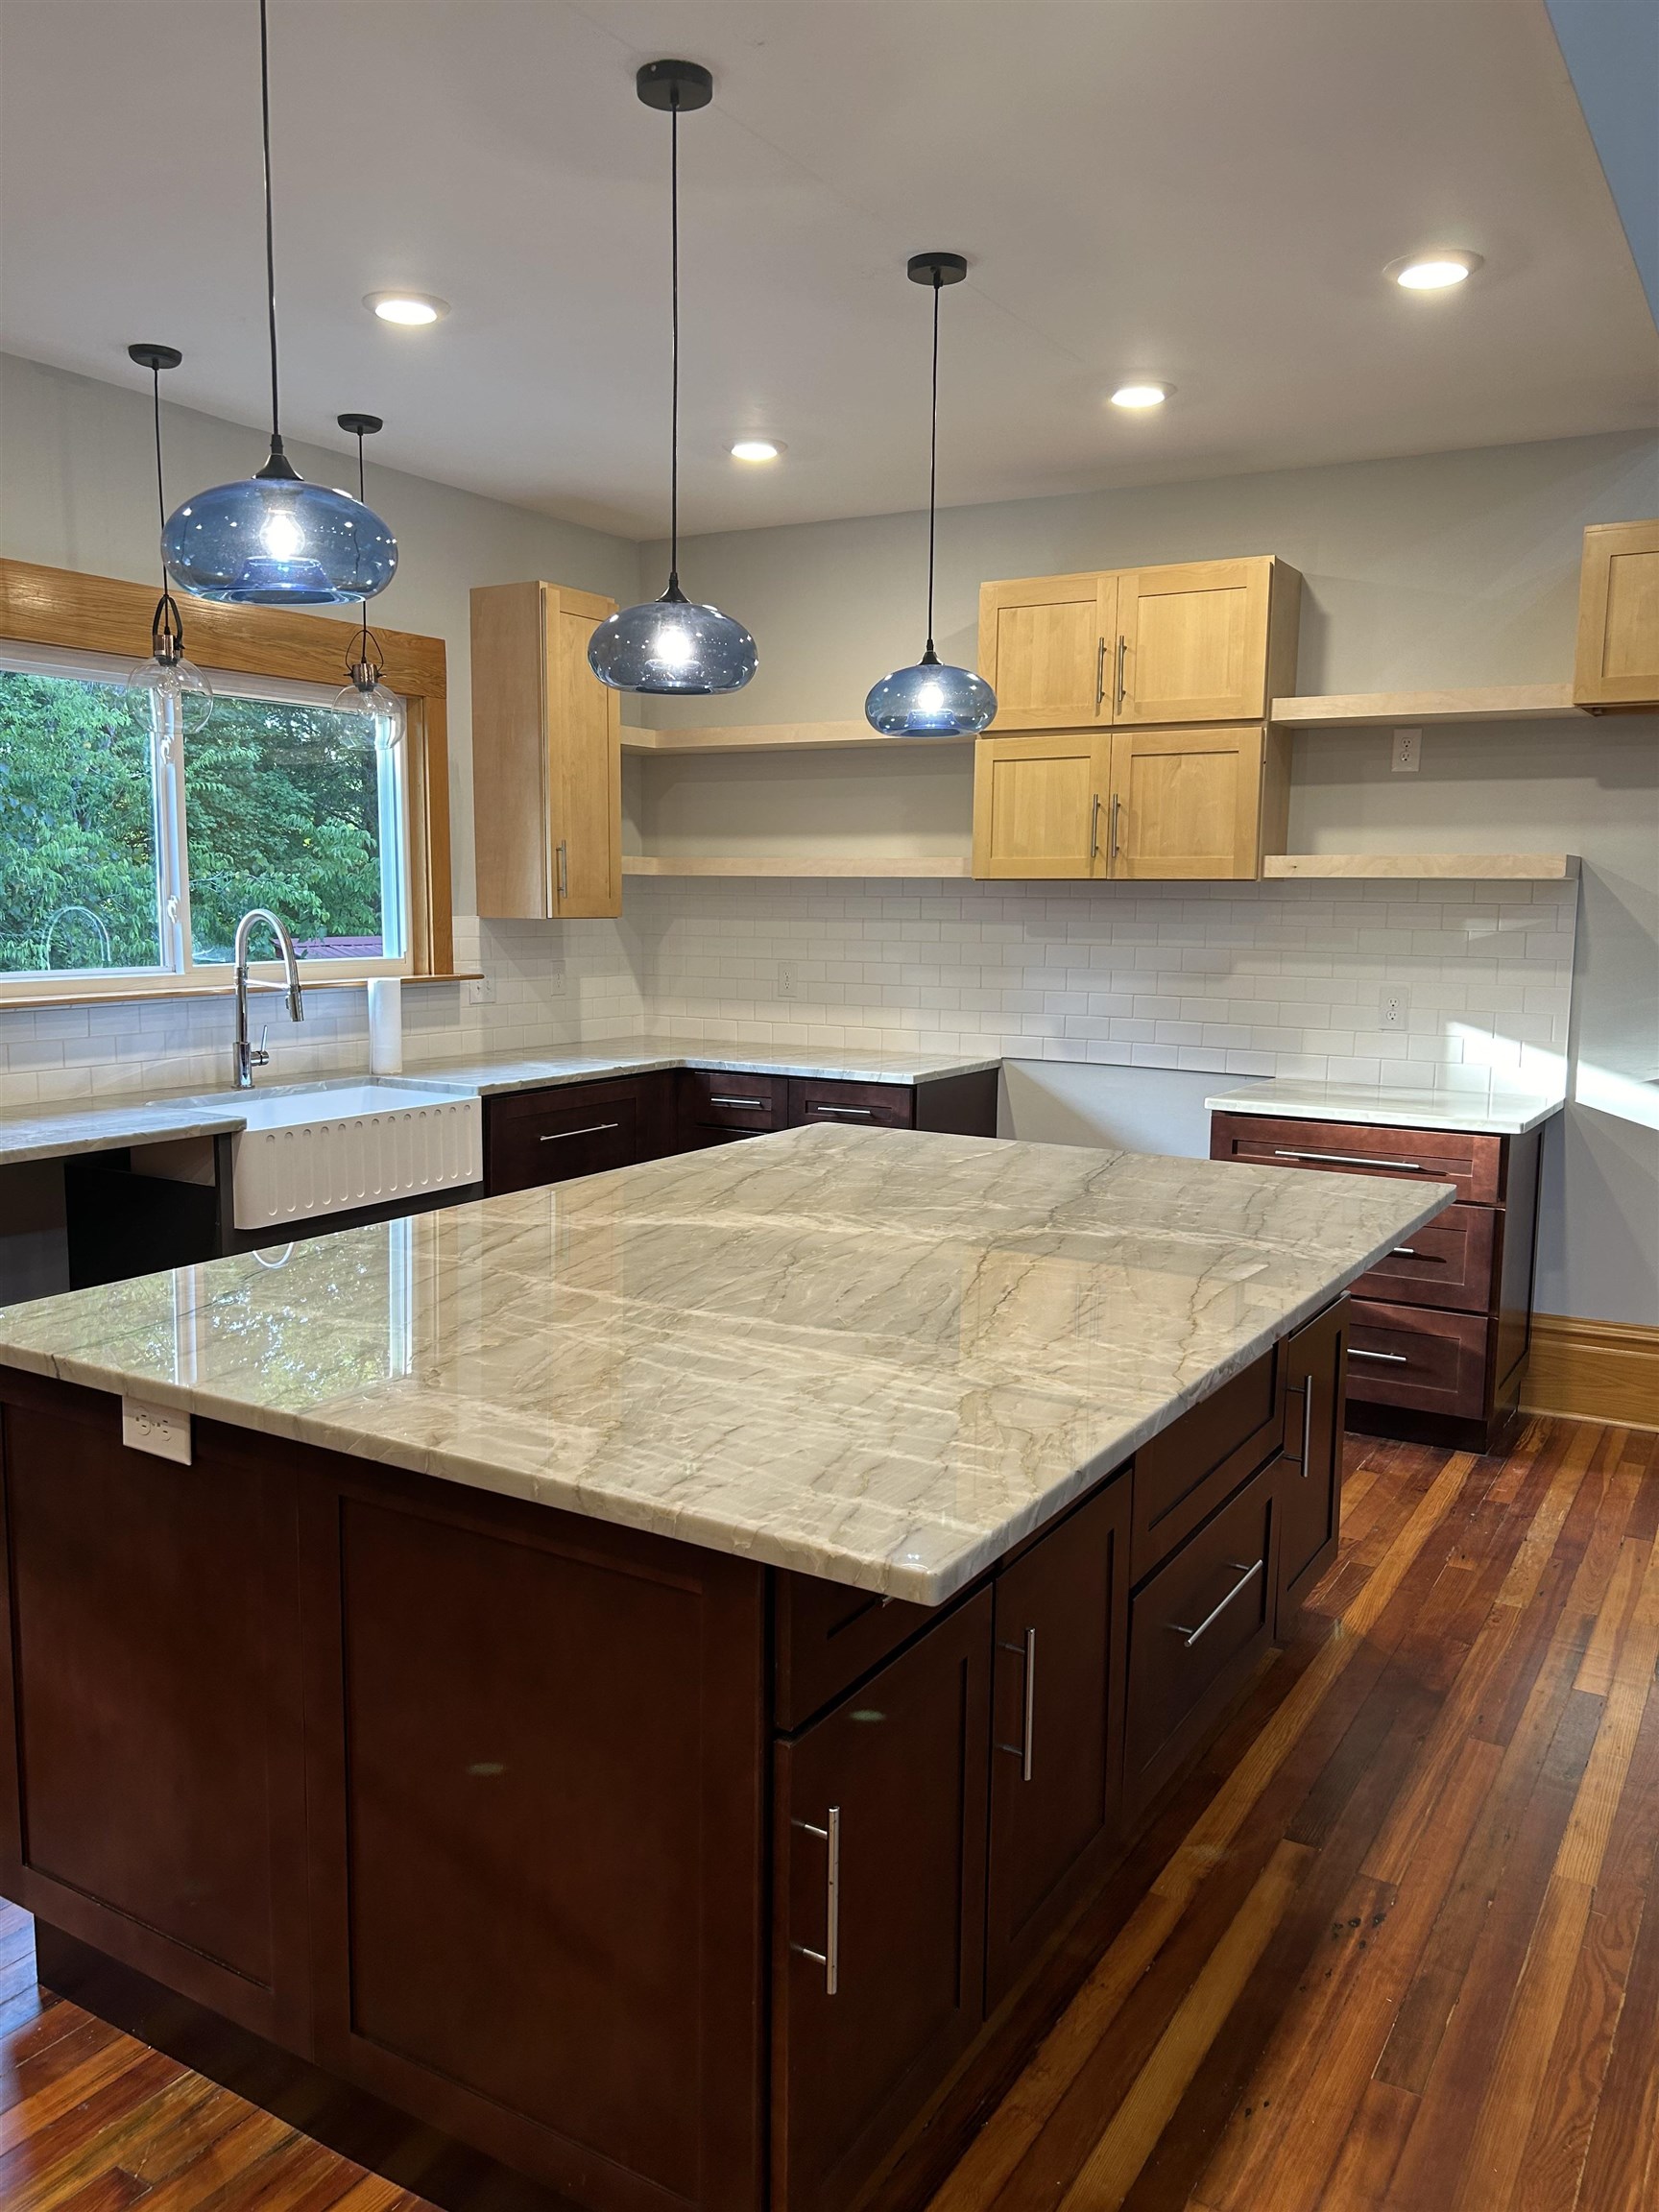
127, 849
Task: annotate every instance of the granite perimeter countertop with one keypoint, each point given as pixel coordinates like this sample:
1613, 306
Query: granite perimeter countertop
141, 1118
1491, 1112
880, 1356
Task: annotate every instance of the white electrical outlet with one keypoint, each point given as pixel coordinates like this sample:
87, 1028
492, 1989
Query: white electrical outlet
481, 991
1393, 1006
786, 980
162, 1430
1407, 751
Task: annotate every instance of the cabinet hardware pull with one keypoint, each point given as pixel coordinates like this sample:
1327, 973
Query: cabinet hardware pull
1210, 1619
1306, 1386
1025, 1650
830, 1957
1404, 1252
753, 1104
593, 1129
1095, 826
1099, 675
858, 1113
1393, 1359
1353, 1159
1117, 694
564, 869
1116, 822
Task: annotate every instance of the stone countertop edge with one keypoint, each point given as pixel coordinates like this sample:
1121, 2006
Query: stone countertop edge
68, 1131
1477, 1116
917, 1584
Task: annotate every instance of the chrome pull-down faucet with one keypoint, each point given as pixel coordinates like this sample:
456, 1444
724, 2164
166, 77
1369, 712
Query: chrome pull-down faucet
248, 1057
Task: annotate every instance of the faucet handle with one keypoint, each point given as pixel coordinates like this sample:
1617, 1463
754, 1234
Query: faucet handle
259, 1057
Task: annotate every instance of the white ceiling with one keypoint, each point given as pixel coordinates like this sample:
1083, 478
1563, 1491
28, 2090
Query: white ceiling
1201, 191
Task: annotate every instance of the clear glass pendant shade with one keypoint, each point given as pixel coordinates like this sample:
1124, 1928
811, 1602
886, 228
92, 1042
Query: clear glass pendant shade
931, 700
279, 541
379, 703
179, 696
672, 645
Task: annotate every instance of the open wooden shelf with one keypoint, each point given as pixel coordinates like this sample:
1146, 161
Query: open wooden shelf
1364, 710
771, 738
802, 864
1447, 867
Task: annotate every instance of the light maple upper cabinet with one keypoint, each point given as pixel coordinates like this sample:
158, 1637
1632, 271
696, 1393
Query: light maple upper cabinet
1193, 803
1045, 643
1039, 805
1202, 641
547, 756
1617, 660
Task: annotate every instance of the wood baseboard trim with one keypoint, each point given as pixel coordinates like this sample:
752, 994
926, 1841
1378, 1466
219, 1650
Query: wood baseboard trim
1592, 1371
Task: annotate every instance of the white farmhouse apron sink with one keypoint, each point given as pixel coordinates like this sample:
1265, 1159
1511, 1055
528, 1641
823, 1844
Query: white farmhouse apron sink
339, 1147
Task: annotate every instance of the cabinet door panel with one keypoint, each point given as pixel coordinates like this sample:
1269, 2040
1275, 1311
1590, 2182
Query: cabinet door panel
1474, 1165
1046, 648
585, 740
1618, 660
1185, 1471
536, 1137
1187, 804
855, 1105
1061, 1643
1411, 1356
902, 1765
154, 1624
1195, 641
1038, 804
1310, 1473
1448, 1262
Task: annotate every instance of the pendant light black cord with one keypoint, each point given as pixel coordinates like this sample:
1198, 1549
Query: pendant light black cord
673, 590
278, 464
930, 655
362, 501
166, 624
161, 491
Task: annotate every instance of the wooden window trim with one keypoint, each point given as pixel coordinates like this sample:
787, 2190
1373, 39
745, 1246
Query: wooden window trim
107, 615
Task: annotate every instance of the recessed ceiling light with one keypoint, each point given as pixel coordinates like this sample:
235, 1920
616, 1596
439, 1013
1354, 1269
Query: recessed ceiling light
756, 449
1433, 270
408, 307
1142, 395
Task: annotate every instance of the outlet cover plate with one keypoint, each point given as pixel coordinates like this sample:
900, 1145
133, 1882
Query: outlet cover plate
161, 1430
1393, 1006
1408, 752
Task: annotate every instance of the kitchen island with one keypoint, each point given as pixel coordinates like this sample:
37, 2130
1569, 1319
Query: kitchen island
642, 1673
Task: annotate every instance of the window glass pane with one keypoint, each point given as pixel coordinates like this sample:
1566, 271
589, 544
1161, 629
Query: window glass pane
78, 885
283, 808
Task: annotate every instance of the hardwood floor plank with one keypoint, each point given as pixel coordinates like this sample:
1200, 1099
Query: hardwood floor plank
1112, 2167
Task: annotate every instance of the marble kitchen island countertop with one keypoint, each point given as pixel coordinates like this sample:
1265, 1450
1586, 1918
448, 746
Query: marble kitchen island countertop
880, 1356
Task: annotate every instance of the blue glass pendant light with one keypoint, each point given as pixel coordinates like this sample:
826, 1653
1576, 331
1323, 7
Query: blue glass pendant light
367, 694
672, 644
178, 695
272, 540
931, 699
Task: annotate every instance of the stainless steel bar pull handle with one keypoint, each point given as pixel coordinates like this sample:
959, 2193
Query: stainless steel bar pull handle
1116, 822
858, 1113
1100, 676
1025, 1650
754, 1105
1306, 1386
830, 1957
1351, 1160
1210, 1619
1095, 826
1392, 1359
593, 1129
1117, 694
1404, 1252
564, 869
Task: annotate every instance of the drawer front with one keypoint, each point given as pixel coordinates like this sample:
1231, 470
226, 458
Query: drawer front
1431, 1360
1447, 1263
826, 1636
1473, 1164
709, 1100
855, 1105
1197, 1629
1186, 1472
533, 1137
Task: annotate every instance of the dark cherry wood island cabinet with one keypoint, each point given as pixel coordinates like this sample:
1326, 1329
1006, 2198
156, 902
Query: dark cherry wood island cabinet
664, 1877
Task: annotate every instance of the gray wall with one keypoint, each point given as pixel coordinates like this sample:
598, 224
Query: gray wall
78, 490
1456, 568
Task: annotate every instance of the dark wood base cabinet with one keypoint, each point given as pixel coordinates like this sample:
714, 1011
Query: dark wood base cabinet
1439, 1330
660, 1879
